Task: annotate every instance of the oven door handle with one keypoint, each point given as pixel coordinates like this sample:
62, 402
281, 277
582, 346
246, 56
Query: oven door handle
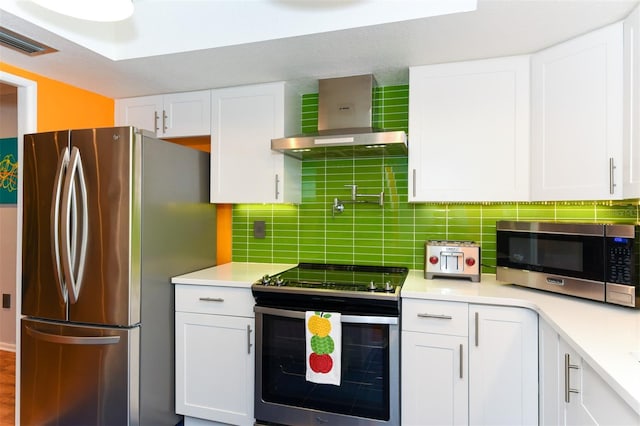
352, 319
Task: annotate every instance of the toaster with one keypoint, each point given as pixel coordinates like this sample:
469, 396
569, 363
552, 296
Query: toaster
453, 259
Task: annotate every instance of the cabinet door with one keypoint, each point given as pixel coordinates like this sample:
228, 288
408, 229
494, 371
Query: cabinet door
590, 400
434, 379
631, 155
576, 118
469, 127
575, 411
550, 376
503, 365
244, 169
143, 113
186, 114
215, 367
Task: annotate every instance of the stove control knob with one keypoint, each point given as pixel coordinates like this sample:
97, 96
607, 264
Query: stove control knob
279, 281
372, 286
433, 260
265, 280
388, 287
470, 261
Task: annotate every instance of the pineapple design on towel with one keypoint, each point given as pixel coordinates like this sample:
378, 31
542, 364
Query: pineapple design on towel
322, 344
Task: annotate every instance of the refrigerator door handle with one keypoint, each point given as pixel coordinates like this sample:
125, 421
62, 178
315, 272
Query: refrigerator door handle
72, 262
63, 163
72, 340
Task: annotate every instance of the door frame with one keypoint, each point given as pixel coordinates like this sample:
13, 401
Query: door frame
27, 116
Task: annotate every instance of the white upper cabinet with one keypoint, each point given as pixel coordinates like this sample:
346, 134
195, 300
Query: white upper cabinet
577, 118
469, 131
168, 116
244, 169
143, 112
631, 132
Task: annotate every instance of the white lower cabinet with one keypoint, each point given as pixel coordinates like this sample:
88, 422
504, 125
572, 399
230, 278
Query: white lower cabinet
503, 366
214, 355
434, 379
572, 392
468, 364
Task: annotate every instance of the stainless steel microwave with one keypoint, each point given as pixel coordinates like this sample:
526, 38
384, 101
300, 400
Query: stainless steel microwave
595, 261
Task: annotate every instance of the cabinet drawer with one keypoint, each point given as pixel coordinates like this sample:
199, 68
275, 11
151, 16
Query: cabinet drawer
435, 317
214, 300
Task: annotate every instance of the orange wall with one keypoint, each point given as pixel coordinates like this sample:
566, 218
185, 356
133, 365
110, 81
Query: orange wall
61, 106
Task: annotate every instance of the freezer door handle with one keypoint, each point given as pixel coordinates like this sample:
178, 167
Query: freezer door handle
63, 163
73, 262
72, 340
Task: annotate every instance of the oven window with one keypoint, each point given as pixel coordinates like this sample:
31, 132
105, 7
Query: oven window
364, 388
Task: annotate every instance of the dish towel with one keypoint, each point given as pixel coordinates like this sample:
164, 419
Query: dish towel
324, 347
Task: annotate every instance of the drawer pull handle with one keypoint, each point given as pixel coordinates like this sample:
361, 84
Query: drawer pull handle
438, 316
212, 299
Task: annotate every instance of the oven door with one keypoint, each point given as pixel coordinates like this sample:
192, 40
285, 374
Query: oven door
369, 389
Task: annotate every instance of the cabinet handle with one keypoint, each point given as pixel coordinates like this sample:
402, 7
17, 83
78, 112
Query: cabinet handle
568, 390
277, 186
477, 329
461, 363
156, 117
438, 316
413, 178
249, 339
212, 299
612, 184
164, 121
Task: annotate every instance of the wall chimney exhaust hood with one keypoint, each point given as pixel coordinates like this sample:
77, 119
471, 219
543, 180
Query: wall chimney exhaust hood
345, 129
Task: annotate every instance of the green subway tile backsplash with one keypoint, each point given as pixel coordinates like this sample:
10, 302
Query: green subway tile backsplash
394, 234
389, 235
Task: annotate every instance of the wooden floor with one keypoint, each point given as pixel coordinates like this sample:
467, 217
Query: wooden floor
7, 388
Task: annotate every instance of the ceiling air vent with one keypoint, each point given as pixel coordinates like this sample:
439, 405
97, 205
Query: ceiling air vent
23, 44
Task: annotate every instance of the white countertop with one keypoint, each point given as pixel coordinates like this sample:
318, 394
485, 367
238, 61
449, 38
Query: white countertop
607, 337
233, 274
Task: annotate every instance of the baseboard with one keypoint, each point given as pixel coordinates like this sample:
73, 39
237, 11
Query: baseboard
9, 347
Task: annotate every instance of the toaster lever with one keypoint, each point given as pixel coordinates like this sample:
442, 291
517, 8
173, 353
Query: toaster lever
445, 259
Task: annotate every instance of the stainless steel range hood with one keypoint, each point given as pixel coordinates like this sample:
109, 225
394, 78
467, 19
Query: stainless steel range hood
345, 129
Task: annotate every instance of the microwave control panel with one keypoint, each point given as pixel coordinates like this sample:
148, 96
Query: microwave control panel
622, 264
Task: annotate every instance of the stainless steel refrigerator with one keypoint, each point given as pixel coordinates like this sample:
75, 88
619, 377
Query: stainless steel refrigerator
110, 214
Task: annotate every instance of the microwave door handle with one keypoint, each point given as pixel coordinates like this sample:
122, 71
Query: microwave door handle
61, 168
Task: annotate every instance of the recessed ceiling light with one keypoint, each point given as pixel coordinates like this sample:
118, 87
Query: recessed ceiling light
90, 10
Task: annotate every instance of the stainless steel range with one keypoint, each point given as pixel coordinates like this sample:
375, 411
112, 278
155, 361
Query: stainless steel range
368, 301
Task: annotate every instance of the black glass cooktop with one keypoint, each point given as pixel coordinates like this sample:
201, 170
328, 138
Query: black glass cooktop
338, 278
